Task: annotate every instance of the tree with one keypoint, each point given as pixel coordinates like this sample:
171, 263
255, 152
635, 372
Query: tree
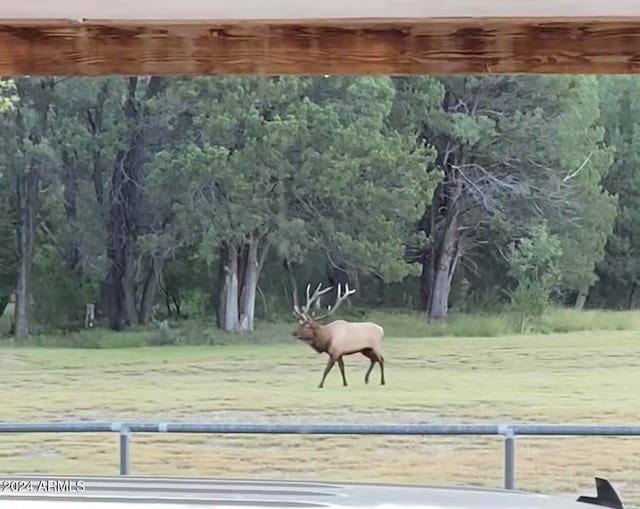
126, 192
27, 156
156, 195
619, 271
534, 265
297, 163
508, 149
8, 254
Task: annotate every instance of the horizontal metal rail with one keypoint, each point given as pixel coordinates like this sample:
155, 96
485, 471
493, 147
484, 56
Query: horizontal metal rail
507, 431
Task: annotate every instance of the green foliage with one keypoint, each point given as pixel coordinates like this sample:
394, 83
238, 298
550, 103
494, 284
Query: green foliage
333, 172
59, 295
570, 320
579, 144
9, 256
308, 162
6, 320
8, 96
511, 148
8, 248
397, 324
187, 285
485, 300
527, 302
534, 259
534, 264
619, 272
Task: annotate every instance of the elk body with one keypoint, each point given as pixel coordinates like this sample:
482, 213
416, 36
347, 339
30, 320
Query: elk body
339, 338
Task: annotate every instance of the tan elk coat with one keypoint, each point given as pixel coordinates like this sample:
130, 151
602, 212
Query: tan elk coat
340, 337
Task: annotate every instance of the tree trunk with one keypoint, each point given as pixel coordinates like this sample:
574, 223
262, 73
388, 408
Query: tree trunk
120, 287
427, 277
4, 302
440, 223
123, 221
249, 287
228, 301
27, 190
94, 117
150, 289
293, 284
236, 305
581, 299
219, 299
167, 302
631, 295
71, 251
429, 258
177, 305
438, 266
445, 265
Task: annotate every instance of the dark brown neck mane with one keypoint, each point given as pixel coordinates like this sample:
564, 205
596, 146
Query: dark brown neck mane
320, 338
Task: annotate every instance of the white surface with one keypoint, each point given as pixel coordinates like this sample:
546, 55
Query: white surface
304, 9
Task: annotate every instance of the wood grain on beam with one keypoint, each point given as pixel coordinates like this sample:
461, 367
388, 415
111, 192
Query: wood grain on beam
313, 46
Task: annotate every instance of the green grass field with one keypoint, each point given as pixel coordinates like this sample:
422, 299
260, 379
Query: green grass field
579, 377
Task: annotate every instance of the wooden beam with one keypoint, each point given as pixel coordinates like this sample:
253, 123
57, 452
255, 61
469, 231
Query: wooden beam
498, 36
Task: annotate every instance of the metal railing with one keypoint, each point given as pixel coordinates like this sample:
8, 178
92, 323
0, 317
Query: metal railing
507, 431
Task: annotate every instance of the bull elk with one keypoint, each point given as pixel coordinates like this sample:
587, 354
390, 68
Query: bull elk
339, 338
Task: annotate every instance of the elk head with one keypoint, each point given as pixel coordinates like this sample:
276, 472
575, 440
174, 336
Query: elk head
308, 323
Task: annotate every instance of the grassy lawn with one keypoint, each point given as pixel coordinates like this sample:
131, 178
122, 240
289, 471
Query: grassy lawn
580, 377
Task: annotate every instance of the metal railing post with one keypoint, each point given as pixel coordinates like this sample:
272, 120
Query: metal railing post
124, 450
509, 457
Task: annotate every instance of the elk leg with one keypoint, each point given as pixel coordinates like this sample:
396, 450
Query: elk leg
369, 354
330, 364
341, 366
381, 362
366, 377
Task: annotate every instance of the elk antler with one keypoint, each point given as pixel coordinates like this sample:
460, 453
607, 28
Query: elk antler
304, 312
339, 299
